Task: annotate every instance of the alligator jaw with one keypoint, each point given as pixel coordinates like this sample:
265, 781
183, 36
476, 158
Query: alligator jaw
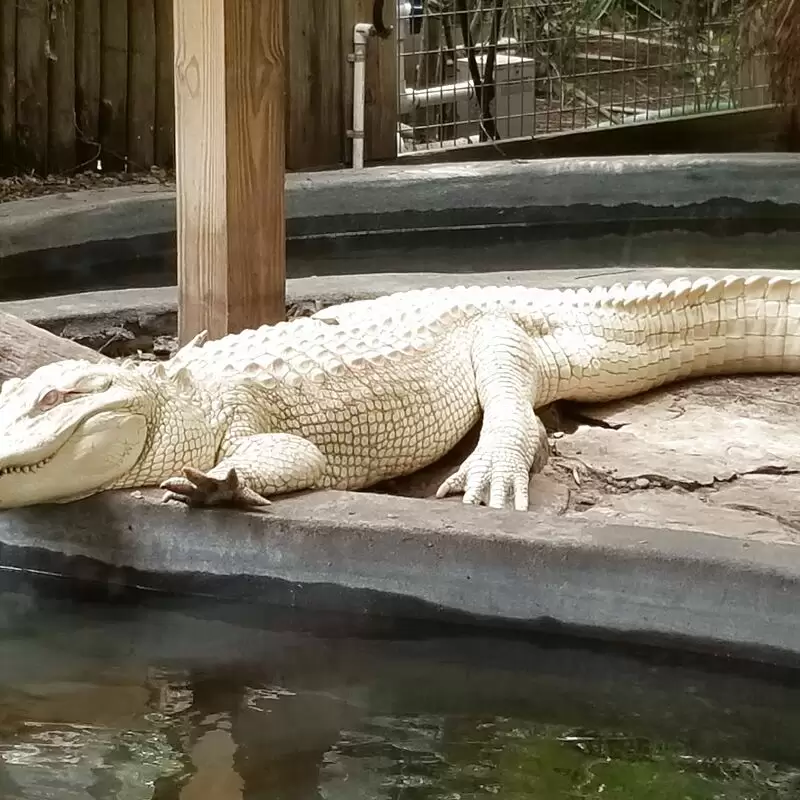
25, 469
89, 456
70, 429
28, 451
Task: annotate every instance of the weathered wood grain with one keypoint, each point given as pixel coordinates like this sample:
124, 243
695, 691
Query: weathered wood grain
142, 85
8, 77
61, 144
24, 348
31, 84
87, 80
165, 90
114, 83
83, 81
315, 122
230, 118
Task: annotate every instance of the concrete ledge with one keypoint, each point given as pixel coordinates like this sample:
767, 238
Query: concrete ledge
403, 557
547, 192
383, 555
77, 218
556, 191
367, 221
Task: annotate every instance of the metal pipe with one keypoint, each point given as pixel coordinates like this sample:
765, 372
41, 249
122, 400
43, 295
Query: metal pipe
436, 95
428, 95
409, 98
404, 9
361, 33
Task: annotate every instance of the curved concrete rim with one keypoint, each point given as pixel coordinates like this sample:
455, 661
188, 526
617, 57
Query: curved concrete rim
380, 555
613, 181
517, 192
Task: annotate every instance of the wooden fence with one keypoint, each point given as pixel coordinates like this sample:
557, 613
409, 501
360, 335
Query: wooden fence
89, 80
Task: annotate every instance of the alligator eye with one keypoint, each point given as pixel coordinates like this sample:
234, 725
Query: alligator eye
50, 399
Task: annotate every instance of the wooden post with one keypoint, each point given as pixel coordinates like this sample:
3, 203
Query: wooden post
229, 138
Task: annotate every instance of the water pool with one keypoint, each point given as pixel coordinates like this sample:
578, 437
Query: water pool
151, 261
162, 698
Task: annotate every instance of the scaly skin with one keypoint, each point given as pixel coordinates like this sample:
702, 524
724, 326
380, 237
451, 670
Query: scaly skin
371, 390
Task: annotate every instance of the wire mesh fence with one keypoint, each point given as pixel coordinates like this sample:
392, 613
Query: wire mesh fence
480, 70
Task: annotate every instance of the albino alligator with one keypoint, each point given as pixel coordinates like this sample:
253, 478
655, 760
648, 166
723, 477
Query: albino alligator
370, 390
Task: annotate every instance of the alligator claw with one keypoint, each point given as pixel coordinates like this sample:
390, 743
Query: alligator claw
499, 476
481, 485
196, 489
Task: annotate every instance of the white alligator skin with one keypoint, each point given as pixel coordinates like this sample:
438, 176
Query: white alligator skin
376, 389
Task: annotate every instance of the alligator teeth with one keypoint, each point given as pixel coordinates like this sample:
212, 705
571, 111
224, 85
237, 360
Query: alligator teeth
24, 468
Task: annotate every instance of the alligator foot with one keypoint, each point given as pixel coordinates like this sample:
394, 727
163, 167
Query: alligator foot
497, 473
197, 489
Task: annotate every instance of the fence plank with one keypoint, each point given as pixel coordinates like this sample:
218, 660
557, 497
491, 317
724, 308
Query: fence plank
114, 83
61, 88
141, 84
89, 102
8, 69
87, 80
315, 125
32, 49
165, 91
380, 120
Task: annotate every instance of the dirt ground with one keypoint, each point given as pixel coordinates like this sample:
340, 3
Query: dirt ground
22, 187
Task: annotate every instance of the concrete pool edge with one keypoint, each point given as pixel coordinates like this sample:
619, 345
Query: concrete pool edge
536, 191
378, 554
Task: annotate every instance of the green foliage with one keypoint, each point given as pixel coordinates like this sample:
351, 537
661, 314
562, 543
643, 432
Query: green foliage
703, 36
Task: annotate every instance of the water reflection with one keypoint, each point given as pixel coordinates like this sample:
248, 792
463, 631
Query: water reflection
182, 703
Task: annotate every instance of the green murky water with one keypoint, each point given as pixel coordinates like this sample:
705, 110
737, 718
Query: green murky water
223, 702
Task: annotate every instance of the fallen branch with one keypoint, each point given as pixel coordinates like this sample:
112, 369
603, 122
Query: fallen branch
24, 348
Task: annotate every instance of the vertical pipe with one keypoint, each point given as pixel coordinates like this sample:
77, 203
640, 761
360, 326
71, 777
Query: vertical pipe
361, 33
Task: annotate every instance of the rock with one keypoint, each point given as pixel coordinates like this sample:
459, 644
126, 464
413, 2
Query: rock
695, 433
658, 508
767, 495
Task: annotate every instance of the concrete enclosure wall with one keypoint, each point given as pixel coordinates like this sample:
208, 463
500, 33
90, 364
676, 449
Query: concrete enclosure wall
347, 222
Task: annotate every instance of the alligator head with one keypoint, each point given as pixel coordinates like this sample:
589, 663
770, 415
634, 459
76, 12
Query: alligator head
71, 429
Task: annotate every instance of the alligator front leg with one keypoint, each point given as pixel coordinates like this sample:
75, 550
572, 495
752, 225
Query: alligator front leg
513, 440
252, 468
